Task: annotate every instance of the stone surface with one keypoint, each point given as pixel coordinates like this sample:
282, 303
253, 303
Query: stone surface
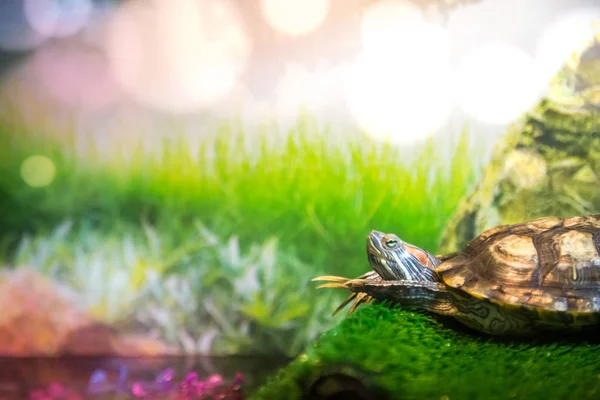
548, 163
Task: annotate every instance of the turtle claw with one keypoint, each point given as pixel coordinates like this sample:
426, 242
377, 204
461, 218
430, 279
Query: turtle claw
338, 281
332, 281
345, 303
345, 283
359, 299
333, 285
330, 278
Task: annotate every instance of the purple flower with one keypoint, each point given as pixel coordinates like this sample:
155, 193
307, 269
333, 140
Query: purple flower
163, 386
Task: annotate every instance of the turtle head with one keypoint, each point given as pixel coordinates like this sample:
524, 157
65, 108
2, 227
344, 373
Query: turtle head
394, 259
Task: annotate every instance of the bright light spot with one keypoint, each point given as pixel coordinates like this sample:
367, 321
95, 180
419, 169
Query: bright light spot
399, 102
565, 37
498, 82
38, 171
295, 17
58, 17
316, 90
255, 111
15, 32
399, 88
177, 56
388, 24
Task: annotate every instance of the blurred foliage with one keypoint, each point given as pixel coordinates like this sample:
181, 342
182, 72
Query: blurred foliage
318, 195
277, 208
205, 295
576, 87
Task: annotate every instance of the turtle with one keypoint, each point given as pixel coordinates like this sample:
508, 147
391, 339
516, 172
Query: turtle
520, 279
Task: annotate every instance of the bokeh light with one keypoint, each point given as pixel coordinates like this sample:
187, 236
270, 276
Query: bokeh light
399, 88
497, 82
38, 171
399, 103
316, 90
15, 32
564, 37
295, 17
388, 24
177, 56
58, 18
74, 74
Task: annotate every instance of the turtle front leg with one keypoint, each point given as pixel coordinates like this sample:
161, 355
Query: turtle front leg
430, 296
347, 283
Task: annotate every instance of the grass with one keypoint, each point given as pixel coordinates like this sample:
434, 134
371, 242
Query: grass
319, 198
409, 355
211, 243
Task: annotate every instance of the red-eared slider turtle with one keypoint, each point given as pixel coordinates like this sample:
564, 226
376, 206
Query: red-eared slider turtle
510, 280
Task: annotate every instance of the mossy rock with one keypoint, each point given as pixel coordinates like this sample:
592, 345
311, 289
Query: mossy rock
548, 163
384, 353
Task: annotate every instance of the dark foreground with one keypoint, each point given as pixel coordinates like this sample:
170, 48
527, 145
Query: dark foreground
20, 377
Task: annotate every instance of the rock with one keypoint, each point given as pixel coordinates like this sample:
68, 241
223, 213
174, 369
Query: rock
547, 163
38, 320
97, 339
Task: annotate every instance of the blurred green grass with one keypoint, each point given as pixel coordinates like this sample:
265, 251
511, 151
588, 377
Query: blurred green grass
319, 198
313, 193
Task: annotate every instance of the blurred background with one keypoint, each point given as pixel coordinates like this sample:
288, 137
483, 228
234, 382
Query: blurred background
174, 172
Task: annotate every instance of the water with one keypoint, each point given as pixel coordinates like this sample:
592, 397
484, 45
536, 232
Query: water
19, 376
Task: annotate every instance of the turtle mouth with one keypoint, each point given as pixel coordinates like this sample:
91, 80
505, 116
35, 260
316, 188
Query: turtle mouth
375, 253
380, 265
374, 247
375, 261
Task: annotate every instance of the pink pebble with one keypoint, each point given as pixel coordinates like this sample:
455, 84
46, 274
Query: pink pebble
137, 389
39, 395
166, 376
56, 389
215, 380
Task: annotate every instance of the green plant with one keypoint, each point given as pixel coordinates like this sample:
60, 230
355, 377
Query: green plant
318, 193
104, 272
205, 295
235, 302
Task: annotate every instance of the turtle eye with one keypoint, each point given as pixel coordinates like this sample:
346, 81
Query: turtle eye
391, 243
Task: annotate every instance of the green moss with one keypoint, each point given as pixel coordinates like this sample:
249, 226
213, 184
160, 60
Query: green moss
414, 356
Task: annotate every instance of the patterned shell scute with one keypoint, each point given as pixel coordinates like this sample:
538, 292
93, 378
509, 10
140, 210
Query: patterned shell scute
550, 263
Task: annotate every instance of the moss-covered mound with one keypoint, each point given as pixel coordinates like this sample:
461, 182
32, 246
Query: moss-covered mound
548, 163
409, 355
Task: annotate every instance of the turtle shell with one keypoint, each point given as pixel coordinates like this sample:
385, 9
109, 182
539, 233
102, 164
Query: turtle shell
550, 263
